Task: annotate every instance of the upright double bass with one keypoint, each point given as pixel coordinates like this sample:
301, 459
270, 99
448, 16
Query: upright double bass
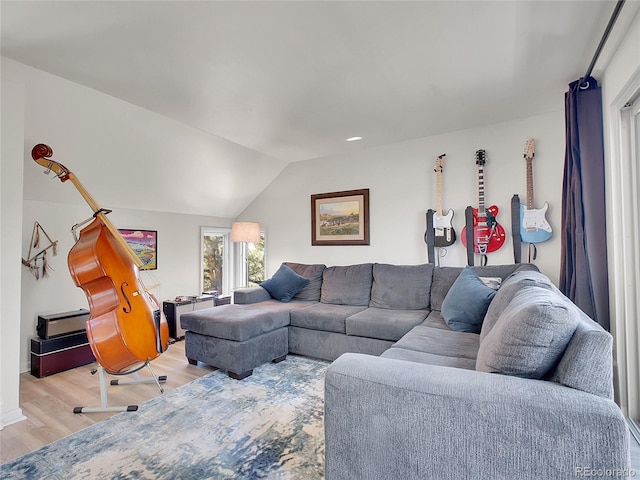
126, 327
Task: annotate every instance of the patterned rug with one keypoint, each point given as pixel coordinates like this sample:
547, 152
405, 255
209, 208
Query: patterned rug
269, 425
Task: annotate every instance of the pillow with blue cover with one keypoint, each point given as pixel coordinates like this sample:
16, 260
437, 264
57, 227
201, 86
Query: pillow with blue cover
284, 284
466, 302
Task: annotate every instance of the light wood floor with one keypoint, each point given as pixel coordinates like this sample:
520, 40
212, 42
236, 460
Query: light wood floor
48, 402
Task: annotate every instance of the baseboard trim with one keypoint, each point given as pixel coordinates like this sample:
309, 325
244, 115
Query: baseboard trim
634, 428
9, 418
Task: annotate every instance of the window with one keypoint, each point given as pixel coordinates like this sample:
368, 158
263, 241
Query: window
255, 264
216, 260
251, 262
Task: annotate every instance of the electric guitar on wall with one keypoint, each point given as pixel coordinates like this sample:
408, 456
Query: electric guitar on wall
488, 234
444, 234
534, 227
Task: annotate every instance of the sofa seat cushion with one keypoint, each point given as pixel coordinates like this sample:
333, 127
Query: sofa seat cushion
435, 320
350, 285
324, 316
239, 322
429, 358
466, 302
383, 323
440, 342
530, 336
314, 273
401, 287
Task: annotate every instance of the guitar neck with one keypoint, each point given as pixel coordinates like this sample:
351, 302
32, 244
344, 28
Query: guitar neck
98, 213
529, 184
439, 193
481, 208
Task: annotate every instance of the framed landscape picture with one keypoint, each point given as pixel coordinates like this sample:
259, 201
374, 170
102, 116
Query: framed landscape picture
340, 218
145, 245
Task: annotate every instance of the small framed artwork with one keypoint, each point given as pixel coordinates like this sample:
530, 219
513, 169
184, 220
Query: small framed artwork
340, 218
145, 245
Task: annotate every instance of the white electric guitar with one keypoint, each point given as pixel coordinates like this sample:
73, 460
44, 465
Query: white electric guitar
445, 235
534, 227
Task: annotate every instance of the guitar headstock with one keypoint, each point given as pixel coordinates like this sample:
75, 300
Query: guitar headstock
439, 163
528, 149
481, 157
42, 153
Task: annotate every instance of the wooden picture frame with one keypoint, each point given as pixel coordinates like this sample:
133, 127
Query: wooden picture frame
340, 218
145, 244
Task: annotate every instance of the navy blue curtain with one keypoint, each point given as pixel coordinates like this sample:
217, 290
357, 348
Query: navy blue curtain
583, 270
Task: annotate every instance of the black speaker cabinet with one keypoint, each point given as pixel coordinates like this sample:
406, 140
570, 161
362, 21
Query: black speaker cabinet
49, 356
58, 324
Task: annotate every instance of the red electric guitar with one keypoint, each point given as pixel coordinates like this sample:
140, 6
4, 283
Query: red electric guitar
488, 234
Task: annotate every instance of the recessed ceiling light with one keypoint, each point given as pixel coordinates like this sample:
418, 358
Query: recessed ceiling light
353, 139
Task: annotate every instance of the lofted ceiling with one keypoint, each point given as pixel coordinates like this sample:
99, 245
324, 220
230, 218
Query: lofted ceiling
294, 79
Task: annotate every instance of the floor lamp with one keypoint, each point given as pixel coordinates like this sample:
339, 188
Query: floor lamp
245, 232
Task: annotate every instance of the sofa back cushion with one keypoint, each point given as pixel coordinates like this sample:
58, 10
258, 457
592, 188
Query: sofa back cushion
530, 336
401, 287
314, 273
348, 285
509, 288
587, 363
443, 278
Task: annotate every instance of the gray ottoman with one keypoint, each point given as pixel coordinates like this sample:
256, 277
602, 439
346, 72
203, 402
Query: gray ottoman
237, 338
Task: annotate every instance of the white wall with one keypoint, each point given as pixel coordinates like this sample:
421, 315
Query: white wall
11, 167
402, 187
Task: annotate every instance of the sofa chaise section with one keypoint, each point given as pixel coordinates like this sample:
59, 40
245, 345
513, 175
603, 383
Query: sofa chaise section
238, 338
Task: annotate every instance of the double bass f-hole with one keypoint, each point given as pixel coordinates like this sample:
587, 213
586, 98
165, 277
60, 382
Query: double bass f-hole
126, 309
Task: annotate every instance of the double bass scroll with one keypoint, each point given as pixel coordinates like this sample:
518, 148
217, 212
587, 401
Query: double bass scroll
126, 327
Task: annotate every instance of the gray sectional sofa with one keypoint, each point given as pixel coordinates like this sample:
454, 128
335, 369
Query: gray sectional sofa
438, 373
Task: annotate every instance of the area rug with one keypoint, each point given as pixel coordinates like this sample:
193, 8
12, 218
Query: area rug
269, 425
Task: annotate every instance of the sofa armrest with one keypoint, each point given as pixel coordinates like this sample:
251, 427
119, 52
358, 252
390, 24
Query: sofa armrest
390, 419
250, 295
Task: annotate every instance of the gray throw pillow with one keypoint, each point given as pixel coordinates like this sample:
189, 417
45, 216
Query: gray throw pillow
284, 284
510, 287
349, 285
401, 287
530, 336
466, 303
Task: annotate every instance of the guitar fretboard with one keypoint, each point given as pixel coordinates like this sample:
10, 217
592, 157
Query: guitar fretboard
481, 209
439, 191
529, 184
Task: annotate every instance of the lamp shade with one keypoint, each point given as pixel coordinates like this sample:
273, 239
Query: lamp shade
245, 232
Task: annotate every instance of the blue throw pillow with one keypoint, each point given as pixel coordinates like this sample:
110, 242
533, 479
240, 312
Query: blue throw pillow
284, 284
466, 303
